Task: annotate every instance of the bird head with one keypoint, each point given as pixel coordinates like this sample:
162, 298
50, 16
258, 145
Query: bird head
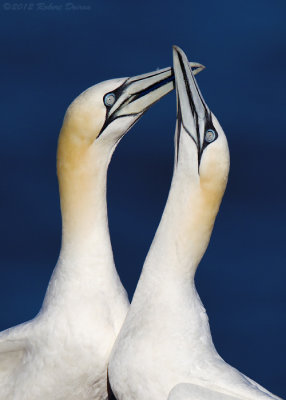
200, 141
101, 115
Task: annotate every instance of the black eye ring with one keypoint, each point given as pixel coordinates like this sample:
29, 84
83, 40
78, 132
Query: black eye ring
109, 99
210, 135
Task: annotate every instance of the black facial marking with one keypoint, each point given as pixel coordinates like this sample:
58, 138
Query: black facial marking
117, 93
179, 125
208, 125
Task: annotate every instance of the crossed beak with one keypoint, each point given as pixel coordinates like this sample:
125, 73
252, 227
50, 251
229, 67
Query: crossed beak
137, 94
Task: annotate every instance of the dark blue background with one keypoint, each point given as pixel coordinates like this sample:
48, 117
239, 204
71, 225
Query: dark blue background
49, 57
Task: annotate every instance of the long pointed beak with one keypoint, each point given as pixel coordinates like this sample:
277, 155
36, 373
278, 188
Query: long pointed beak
193, 113
137, 94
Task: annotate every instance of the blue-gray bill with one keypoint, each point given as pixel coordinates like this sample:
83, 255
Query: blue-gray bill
193, 114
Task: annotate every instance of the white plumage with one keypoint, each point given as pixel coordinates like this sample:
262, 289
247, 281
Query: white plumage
164, 349
63, 352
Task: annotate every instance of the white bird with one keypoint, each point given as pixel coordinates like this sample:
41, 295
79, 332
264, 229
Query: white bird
164, 349
62, 353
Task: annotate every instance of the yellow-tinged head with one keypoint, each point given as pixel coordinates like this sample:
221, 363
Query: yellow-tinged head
86, 115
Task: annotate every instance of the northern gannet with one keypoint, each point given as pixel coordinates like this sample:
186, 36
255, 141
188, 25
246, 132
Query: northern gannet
62, 353
164, 349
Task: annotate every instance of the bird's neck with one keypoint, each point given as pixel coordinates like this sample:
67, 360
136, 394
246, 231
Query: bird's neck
86, 259
82, 172
185, 228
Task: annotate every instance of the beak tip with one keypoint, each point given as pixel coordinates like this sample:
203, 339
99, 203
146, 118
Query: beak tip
194, 66
176, 49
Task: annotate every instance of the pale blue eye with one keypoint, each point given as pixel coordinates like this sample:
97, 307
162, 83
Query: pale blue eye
210, 136
109, 99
